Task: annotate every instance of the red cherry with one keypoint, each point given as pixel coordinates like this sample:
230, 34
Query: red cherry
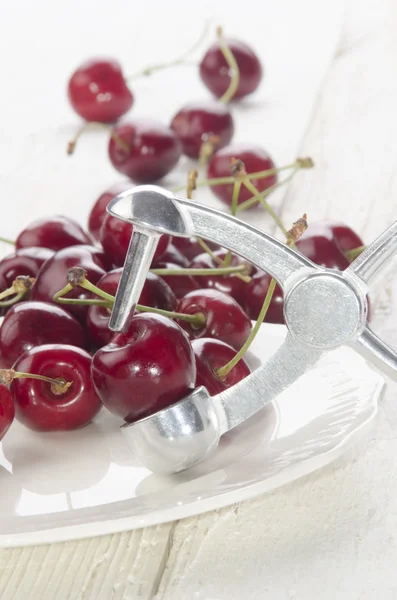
55, 232
224, 318
321, 249
36, 404
179, 284
52, 276
98, 92
255, 296
154, 150
98, 211
155, 293
344, 237
147, 369
229, 284
115, 237
202, 122
26, 261
7, 410
190, 247
254, 158
210, 355
215, 72
30, 324
172, 255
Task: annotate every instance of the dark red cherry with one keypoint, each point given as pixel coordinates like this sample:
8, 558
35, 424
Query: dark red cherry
115, 237
254, 158
255, 296
344, 237
190, 247
153, 150
26, 261
229, 284
210, 355
201, 122
215, 72
31, 324
7, 410
52, 276
155, 293
98, 211
55, 232
147, 369
172, 255
179, 284
321, 249
98, 92
36, 404
224, 318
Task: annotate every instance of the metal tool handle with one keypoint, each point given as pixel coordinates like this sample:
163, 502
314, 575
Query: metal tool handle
370, 262
377, 352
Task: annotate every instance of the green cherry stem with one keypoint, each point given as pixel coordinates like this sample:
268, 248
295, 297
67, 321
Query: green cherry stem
58, 386
7, 241
233, 68
352, 254
202, 272
251, 188
20, 287
255, 200
96, 125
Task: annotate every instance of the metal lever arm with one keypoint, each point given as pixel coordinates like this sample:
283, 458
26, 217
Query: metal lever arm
377, 352
370, 262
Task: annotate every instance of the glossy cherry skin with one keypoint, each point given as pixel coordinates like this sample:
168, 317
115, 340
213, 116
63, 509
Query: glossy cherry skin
229, 284
52, 276
254, 158
343, 236
30, 324
224, 318
255, 296
190, 247
98, 211
146, 369
322, 250
7, 410
172, 255
115, 236
154, 150
98, 92
37, 406
179, 284
200, 122
55, 232
26, 261
155, 293
215, 72
210, 355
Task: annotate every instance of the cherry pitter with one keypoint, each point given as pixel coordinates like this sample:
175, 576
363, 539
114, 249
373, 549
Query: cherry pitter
323, 309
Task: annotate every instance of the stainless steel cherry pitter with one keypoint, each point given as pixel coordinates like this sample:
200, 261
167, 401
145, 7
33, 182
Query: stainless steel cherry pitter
323, 309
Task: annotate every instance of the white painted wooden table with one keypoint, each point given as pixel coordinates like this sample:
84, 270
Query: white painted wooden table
330, 92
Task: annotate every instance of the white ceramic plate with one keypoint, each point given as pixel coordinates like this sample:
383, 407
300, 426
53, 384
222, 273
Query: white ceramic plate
55, 487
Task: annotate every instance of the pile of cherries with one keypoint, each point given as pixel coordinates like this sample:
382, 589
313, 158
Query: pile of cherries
60, 362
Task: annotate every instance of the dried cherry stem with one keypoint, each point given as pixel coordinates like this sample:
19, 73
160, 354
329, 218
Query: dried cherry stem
59, 385
180, 61
352, 254
198, 272
233, 68
20, 287
96, 125
207, 149
7, 241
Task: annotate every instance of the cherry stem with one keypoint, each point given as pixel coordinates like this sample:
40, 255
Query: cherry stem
12, 301
219, 261
254, 199
352, 254
96, 125
20, 287
223, 372
197, 320
250, 187
233, 68
202, 272
7, 241
181, 60
58, 386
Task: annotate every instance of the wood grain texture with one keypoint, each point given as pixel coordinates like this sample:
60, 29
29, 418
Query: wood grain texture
334, 533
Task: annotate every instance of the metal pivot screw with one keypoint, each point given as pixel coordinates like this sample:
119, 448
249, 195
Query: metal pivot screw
152, 211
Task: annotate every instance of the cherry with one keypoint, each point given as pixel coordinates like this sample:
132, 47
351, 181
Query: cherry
146, 369
172, 255
41, 407
98, 211
203, 122
321, 248
190, 247
255, 296
153, 150
215, 72
179, 284
155, 293
254, 158
55, 232
7, 410
26, 261
115, 237
343, 236
98, 92
210, 355
224, 318
52, 276
229, 284
30, 324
